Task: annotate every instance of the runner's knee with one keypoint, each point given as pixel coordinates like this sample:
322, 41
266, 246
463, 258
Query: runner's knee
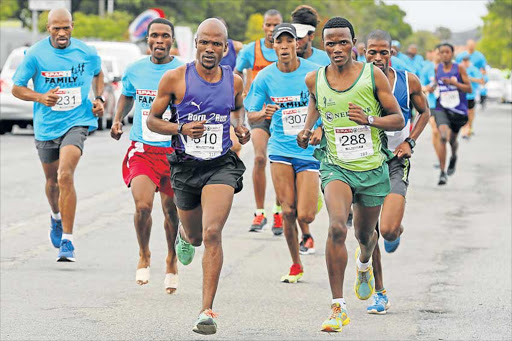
289, 212
65, 178
306, 217
260, 161
337, 232
364, 237
212, 235
143, 208
388, 231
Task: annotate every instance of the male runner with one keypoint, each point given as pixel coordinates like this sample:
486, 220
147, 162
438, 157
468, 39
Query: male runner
294, 170
451, 111
360, 48
305, 20
62, 69
415, 59
255, 56
475, 57
145, 166
407, 90
477, 79
355, 103
399, 61
205, 173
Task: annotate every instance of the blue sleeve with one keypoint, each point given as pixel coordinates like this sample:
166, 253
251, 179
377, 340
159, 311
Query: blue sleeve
245, 59
128, 88
257, 95
95, 61
481, 61
459, 57
25, 71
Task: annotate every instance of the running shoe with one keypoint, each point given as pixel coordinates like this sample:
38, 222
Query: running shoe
320, 202
296, 272
336, 320
206, 324
365, 282
391, 247
380, 304
185, 251
277, 227
258, 223
443, 179
307, 245
55, 232
66, 251
451, 166
350, 219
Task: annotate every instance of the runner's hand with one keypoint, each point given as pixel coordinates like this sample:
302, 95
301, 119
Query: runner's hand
194, 129
117, 130
97, 108
403, 150
243, 134
316, 137
50, 98
303, 138
356, 114
269, 110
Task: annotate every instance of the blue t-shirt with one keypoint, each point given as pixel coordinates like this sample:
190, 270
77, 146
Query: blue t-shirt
417, 63
399, 64
361, 58
473, 72
427, 77
289, 91
245, 58
483, 88
319, 57
140, 81
476, 58
72, 70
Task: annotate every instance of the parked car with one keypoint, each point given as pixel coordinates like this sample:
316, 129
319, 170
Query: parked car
507, 92
117, 56
13, 110
496, 84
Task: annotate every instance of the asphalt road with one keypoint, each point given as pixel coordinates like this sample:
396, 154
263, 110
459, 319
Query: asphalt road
450, 278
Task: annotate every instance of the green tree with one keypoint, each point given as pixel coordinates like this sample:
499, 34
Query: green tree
8, 9
496, 43
254, 28
443, 33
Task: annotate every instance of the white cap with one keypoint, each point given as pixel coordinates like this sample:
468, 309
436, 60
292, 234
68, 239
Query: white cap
302, 30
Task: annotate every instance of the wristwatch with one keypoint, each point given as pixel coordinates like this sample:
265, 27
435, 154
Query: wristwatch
370, 119
411, 142
101, 98
180, 127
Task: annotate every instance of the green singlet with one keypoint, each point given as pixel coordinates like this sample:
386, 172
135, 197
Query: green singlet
345, 143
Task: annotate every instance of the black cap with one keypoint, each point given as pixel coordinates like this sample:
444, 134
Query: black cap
284, 28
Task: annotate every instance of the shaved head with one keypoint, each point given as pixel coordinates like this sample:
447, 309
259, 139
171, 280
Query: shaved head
213, 26
59, 14
470, 44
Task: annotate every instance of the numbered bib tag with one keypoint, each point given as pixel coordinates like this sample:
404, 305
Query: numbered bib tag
149, 135
69, 99
209, 145
449, 99
353, 142
294, 120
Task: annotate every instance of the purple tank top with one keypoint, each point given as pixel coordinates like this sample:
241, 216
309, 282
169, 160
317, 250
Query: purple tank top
450, 97
230, 58
212, 102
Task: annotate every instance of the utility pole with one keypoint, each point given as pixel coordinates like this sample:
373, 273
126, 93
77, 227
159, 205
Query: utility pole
101, 8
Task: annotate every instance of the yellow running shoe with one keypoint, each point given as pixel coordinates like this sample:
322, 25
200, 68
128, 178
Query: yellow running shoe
296, 272
365, 282
336, 320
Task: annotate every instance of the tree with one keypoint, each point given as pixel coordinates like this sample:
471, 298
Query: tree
496, 44
424, 40
443, 33
8, 9
254, 28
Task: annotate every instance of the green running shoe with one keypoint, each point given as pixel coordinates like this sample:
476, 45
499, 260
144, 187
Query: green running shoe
365, 282
206, 324
185, 251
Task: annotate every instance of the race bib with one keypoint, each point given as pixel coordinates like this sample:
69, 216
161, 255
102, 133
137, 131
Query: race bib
294, 120
449, 99
207, 146
149, 135
69, 99
353, 142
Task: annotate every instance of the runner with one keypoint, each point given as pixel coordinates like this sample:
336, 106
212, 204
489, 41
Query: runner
305, 20
475, 57
360, 52
255, 56
294, 170
355, 103
415, 59
477, 80
407, 90
62, 69
451, 111
145, 166
399, 61
205, 173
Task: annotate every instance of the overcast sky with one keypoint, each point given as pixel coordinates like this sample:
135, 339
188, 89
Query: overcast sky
455, 14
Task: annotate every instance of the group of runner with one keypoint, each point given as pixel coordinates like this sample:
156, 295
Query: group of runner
325, 119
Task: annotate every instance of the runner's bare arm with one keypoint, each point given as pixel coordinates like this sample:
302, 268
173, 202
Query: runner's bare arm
313, 114
420, 103
124, 105
238, 115
392, 118
238, 46
49, 99
98, 84
465, 86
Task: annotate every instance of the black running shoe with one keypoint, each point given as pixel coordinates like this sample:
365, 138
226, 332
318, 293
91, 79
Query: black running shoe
443, 179
451, 166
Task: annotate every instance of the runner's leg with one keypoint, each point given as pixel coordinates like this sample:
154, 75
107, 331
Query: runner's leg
307, 202
52, 185
171, 228
216, 201
259, 139
436, 138
444, 137
391, 217
365, 220
69, 157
